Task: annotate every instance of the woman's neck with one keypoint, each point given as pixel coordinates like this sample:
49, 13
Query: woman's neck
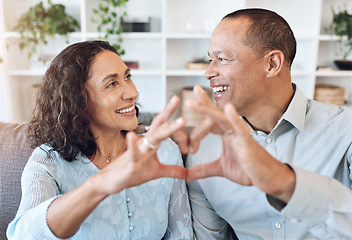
109, 147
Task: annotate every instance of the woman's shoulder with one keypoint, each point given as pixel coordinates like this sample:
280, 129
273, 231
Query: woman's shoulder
43, 150
42, 162
44, 154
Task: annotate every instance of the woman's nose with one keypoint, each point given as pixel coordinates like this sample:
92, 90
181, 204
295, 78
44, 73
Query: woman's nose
130, 92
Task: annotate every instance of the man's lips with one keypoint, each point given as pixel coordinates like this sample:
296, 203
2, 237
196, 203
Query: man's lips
220, 89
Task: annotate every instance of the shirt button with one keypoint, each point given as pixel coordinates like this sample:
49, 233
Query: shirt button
130, 214
128, 199
131, 228
278, 225
268, 140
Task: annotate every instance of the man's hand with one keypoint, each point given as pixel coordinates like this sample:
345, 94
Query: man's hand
242, 160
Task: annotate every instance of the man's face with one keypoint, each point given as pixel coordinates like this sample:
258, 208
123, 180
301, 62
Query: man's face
236, 73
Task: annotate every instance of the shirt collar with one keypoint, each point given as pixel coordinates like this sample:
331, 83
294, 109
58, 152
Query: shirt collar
295, 113
297, 109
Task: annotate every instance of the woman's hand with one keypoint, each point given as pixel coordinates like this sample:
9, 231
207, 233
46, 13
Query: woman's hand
139, 163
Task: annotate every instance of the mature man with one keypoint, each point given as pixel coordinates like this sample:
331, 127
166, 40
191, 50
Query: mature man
301, 190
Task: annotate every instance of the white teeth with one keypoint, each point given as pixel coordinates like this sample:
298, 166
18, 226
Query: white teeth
126, 110
220, 89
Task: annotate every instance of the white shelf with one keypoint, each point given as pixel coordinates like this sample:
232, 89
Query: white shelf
301, 73
97, 35
188, 35
163, 53
70, 35
12, 35
326, 37
306, 37
137, 35
185, 72
26, 72
334, 73
40, 72
138, 72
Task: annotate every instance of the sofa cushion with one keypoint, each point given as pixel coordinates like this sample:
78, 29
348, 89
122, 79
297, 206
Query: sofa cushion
14, 153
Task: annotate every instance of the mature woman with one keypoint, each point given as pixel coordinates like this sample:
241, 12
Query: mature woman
90, 176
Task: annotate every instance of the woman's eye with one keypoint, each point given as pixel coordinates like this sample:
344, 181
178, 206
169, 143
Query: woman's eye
112, 84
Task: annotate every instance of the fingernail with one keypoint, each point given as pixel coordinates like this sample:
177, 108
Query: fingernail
200, 88
173, 99
179, 120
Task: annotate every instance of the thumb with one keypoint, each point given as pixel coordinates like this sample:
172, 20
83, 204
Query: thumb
173, 171
204, 170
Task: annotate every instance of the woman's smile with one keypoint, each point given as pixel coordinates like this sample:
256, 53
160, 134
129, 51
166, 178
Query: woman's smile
126, 110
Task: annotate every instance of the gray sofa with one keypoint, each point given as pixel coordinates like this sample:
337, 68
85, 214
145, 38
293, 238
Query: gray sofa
14, 153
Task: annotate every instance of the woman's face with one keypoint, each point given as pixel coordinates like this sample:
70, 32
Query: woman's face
112, 95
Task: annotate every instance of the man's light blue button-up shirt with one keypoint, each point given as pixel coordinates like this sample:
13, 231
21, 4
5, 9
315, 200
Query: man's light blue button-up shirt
314, 139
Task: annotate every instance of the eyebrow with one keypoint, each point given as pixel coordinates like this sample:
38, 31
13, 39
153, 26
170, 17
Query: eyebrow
114, 75
217, 52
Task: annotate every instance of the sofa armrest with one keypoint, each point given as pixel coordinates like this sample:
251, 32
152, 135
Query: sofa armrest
14, 153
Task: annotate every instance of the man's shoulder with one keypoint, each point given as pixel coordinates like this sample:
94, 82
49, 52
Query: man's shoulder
329, 112
329, 120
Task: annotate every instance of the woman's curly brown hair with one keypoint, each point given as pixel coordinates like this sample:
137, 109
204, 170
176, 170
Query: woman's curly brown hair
60, 117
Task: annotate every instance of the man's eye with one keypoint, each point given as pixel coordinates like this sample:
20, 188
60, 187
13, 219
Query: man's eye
209, 60
221, 59
128, 77
112, 84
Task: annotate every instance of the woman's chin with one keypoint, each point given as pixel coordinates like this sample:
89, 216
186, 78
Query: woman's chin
131, 126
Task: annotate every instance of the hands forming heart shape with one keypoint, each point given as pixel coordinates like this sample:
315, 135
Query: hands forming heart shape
242, 160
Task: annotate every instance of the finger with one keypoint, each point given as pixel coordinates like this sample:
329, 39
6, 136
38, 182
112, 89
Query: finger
132, 139
204, 170
133, 146
164, 115
165, 131
198, 133
202, 96
173, 171
234, 119
136, 146
180, 137
214, 113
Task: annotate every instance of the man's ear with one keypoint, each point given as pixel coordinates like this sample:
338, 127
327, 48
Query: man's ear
275, 60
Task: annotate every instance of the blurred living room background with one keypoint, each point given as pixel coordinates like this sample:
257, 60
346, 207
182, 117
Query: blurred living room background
165, 43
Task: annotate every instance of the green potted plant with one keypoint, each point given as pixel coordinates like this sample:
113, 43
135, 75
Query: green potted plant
342, 27
40, 22
107, 16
